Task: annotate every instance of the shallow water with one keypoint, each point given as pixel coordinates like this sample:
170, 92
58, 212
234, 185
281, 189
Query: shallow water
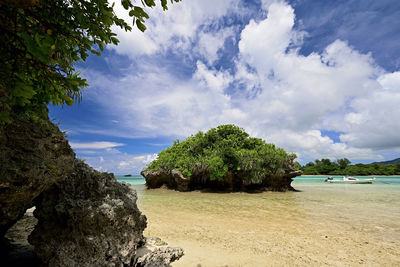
323, 224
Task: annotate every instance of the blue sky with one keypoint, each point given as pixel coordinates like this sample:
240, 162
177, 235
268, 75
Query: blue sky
318, 78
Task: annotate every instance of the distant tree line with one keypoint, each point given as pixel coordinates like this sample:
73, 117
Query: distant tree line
344, 167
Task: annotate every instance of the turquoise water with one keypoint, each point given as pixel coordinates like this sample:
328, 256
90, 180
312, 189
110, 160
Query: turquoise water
392, 181
381, 181
135, 179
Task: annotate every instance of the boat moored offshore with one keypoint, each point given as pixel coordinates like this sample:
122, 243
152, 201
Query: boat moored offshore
349, 180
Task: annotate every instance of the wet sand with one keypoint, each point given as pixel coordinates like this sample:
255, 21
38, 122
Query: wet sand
333, 225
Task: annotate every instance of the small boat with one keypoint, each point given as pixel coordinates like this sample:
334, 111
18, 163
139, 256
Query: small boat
349, 180
330, 178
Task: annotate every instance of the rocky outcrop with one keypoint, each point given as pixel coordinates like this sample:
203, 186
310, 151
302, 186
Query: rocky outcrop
89, 219
280, 181
234, 180
33, 157
85, 218
155, 252
172, 179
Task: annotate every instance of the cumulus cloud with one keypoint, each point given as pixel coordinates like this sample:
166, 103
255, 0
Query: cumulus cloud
209, 43
175, 29
373, 123
271, 90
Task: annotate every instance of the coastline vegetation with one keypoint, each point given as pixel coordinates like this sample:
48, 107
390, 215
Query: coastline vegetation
222, 149
343, 167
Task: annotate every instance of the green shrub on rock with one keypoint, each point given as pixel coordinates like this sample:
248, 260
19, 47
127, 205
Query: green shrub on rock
224, 149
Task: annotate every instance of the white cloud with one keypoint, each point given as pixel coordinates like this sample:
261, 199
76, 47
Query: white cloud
110, 159
265, 4
376, 123
314, 145
262, 42
209, 43
168, 105
94, 145
214, 80
120, 163
272, 91
390, 81
175, 29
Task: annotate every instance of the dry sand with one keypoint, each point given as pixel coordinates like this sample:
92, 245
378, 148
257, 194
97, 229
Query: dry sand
309, 228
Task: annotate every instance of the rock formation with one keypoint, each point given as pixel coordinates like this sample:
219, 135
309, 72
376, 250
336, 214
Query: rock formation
89, 219
172, 179
233, 181
155, 252
85, 218
32, 158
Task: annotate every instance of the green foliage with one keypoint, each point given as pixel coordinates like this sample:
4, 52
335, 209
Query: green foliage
222, 149
343, 163
41, 40
297, 166
343, 167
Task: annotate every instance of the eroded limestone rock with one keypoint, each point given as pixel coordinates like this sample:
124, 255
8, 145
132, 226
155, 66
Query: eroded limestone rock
88, 220
234, 180
172, 179
85, 218
32, 158
155, 252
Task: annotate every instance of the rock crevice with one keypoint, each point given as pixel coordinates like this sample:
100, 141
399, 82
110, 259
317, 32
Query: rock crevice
32, 158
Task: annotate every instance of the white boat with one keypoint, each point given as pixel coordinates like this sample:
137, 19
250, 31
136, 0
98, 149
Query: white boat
349, 180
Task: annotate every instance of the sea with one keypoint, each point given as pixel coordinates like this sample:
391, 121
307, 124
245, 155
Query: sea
320, 224
392, 181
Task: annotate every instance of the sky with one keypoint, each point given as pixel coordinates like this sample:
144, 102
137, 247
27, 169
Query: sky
317, 78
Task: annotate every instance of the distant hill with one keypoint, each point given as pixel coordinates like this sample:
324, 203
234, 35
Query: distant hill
394, 161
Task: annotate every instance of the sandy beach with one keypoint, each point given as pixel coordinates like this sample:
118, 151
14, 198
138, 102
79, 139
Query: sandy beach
322, 225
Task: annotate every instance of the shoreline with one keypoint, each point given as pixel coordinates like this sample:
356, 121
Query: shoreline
288, 229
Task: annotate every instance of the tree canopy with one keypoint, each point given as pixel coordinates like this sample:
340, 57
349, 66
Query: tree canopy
222, 149
42, 39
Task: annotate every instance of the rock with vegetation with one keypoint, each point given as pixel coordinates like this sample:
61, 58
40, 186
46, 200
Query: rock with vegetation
33, 157
223, 158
